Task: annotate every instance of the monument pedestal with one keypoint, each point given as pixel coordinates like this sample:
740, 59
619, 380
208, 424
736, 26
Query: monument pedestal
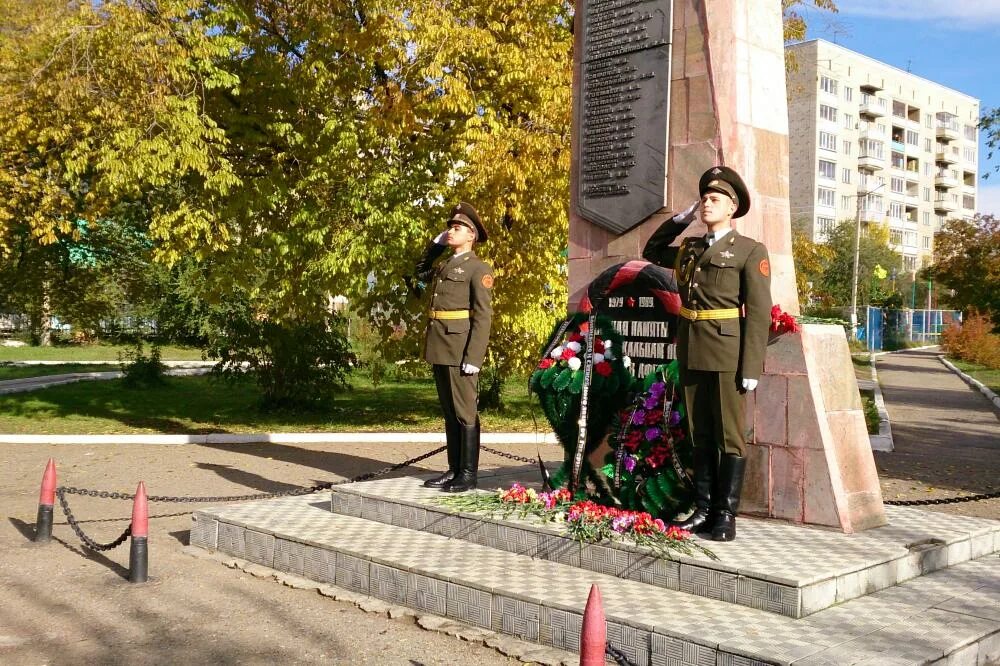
810, 460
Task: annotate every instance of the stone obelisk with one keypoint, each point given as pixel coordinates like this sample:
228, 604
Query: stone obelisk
664, 90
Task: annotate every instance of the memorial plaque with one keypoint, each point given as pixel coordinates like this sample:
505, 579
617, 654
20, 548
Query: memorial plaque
623, 112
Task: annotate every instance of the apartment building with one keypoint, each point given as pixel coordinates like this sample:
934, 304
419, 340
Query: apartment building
873, 142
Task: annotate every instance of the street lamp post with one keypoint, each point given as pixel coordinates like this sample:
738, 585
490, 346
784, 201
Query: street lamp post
857, 258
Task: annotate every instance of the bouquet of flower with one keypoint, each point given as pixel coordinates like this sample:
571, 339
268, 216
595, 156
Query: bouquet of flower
586, 521
782, 322
558, 380
651, 449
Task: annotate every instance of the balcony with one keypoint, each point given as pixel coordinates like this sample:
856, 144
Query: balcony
945, 156
946, 204
871, 216
947, 132
871, 107
868, 184
945, 178
870, 131
871, 161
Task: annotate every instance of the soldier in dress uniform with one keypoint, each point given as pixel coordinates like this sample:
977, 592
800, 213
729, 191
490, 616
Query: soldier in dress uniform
724, 280
458, 331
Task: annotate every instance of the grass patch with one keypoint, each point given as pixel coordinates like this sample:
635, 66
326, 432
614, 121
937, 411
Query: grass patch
195, 405
23, 371
988, 376
872, 419
84, 353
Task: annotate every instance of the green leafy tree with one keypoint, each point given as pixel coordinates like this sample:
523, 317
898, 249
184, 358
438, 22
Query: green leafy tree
811, 259
967, 264
874, 251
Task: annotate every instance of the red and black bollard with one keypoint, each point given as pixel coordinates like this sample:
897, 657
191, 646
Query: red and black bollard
46, 500
594, 634
138, 558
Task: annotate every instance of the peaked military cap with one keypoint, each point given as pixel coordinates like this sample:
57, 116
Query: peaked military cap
464, 213
725, 180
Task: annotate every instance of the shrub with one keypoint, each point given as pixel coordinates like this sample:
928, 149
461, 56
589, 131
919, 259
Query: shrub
139, 370
296, 364
872, 419
973, 341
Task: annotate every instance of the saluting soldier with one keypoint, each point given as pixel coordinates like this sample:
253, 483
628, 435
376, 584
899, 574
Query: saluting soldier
458, 331
724, 280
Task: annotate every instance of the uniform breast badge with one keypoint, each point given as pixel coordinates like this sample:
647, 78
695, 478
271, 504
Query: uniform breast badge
727, 254
458, 271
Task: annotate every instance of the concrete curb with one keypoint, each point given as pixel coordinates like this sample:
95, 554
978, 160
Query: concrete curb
281, 438
28, 384
971, 381
883, 440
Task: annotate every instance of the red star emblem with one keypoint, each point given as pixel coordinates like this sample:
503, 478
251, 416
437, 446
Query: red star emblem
630, 302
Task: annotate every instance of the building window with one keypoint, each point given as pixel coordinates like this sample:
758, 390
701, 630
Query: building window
926, 217
871, 148
848, 93
927, 194
968, 202
897, 185
828, 113
848, 120
828, 141
847, 147
969, 154
895, 210
909, 264
927, 242
828, 169
824, 225
898, 109
845, 202
970, 132
912, 138
910, 238
927, 168
898, 162
896, 236
845, 176
826, 197
928, 120
928, 146
827, 84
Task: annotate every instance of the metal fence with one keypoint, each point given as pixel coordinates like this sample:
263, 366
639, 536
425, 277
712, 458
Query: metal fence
892, 329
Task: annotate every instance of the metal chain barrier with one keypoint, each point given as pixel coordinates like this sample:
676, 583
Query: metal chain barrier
620, 658
945, 500
510, 456
87, 541
62, 491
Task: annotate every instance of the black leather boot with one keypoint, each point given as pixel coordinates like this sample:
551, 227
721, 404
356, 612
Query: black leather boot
727, 497
705, 467
453, 436
469, 461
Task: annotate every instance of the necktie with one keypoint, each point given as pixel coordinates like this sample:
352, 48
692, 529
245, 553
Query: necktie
709, 239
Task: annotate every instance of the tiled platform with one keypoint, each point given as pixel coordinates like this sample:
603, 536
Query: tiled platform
772, 566
950, 616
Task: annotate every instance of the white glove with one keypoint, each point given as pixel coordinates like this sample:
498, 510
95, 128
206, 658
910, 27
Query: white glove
440, 238
468, 369
749, 384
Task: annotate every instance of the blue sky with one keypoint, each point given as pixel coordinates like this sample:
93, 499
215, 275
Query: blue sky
953, 42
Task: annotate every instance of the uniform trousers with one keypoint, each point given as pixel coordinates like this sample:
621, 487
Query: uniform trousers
458, 394
715, 410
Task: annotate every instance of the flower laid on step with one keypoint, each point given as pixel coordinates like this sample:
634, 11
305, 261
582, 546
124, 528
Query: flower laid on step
586, 521
782, 322
589, 522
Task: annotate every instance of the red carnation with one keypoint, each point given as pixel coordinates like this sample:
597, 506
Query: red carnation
546, 363
603, 369
576, 337
568, 354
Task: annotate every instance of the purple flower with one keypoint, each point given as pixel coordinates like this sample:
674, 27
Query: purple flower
622, 523
651, 402
629, 463
658, 388
653, 434
675, 418
638, 417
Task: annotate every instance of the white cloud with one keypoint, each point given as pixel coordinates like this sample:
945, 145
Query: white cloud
988, 201
969, 12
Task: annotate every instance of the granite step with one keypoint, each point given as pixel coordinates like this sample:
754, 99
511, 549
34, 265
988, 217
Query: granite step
952, 614
791, 570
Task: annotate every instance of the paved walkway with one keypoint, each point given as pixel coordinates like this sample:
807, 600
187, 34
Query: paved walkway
946, 434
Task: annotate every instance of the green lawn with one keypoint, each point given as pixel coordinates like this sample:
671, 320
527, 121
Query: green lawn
987, 376
22, 371
189, 405
84, 353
